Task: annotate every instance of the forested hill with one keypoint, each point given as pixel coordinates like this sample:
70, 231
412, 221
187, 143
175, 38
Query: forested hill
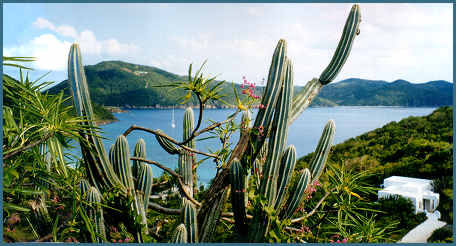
117, 83
420, 147
360, 92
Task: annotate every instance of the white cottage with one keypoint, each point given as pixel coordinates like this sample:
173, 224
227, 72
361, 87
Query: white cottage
419, 191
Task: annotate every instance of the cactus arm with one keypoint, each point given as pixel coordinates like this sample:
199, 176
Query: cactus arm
322, 151
167, 145
287, 166
294, 200
303, 99
121, 160
84, 186
140, 152
351, 29
237, 181
145, 182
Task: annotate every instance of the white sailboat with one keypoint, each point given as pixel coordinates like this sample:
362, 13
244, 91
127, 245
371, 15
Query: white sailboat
173, 125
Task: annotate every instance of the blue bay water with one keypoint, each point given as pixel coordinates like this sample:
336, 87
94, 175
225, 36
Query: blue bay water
304, 133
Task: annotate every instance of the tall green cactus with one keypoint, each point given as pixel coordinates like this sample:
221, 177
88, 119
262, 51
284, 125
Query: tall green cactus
269, 99
99, 170
274, 177
237, 181
278, 138
95, 212
186, 158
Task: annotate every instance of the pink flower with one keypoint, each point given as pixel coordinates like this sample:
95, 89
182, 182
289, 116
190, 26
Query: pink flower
127, 240
344, 240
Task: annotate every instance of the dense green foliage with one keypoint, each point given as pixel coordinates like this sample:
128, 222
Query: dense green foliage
101, 114
399, 209
442, 235
360, 92
420, 147
117, 83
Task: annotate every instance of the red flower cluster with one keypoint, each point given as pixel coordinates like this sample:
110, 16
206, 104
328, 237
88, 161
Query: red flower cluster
71, 239
305, 229
335, 236
249, 88
311, 189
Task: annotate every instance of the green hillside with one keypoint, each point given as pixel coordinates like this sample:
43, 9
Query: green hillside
116, 83
420, 147
360, 92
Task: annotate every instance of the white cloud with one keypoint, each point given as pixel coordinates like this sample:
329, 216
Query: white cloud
51, 51
64, 30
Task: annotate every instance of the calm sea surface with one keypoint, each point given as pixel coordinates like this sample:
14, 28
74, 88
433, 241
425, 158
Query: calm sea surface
304, 133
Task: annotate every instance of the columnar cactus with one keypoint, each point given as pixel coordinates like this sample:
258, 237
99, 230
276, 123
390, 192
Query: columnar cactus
95, 212
140, 152
237, 181
99, 170
188, 217
120, 158
103, 172
273, 174
186, 158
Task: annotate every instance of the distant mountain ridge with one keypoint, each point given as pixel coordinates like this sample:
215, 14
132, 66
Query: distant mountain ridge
117, 83
361, 92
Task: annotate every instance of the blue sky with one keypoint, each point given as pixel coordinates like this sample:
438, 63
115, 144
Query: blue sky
397, 41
